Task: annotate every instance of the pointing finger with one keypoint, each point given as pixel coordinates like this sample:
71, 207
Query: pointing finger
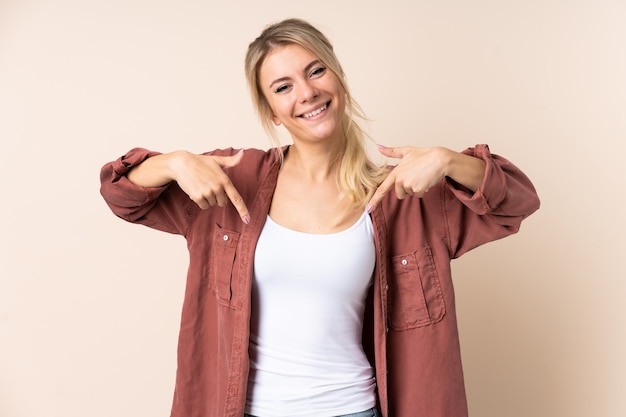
398, 152
230, 160
380, 192
237, 200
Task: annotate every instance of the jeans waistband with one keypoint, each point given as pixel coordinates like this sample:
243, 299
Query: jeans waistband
367, 413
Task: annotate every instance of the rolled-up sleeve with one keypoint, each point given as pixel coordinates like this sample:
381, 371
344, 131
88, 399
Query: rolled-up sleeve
156, 207
495, 210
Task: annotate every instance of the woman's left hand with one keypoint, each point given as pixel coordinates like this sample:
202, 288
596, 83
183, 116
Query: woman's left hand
420, 169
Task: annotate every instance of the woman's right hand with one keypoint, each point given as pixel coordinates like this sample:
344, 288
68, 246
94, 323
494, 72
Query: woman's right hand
201, 177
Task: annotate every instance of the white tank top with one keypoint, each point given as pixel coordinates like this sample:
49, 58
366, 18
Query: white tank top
308, 299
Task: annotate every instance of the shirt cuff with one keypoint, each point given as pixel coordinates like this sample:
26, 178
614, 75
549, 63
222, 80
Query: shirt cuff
492, 190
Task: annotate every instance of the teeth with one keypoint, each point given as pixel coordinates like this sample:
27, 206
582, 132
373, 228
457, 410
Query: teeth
315, 112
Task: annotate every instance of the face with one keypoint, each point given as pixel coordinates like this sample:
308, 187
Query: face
305, 96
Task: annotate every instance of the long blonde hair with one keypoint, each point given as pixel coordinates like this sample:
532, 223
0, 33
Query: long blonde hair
358, 176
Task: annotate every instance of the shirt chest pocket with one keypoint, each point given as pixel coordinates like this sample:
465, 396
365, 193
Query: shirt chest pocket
415, 291
222, 260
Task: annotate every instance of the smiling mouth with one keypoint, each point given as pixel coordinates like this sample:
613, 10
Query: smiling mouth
316, 111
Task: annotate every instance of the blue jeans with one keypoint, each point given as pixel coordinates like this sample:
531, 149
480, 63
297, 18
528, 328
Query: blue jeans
368, 413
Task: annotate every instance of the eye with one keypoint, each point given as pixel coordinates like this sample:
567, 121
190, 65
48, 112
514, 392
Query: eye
317, 72
281, 88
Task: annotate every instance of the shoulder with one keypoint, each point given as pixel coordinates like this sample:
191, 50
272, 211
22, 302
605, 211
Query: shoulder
250, 155
257, 162
253, 168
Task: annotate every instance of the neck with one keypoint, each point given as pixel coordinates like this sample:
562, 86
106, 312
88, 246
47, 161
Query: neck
315, 161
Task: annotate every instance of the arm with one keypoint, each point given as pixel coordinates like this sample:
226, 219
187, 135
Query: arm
156, 171
496, 209
133, 185
420, 169
465, 170
201, 177
483, 197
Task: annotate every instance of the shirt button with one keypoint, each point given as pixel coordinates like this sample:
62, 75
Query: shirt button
225, 237
404, 262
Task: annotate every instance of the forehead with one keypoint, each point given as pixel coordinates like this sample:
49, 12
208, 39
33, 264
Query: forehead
285, 61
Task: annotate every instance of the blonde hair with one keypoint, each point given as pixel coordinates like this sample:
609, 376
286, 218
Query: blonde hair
358, 176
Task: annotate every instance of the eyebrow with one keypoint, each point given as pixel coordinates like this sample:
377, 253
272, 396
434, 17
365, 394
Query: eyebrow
306, 69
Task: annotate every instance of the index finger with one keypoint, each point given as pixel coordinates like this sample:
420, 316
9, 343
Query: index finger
237, 200
380, 193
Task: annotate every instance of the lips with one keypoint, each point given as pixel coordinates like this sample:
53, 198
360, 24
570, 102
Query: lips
315, 112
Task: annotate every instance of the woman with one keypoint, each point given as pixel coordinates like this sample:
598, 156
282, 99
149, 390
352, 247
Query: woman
319, 284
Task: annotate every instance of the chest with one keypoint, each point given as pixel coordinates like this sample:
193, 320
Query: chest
336, 265
312, 207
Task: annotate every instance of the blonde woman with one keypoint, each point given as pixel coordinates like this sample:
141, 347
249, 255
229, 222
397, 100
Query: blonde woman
319, 283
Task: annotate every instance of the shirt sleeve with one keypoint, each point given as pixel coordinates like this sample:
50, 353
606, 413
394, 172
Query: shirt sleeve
505, 198
163, 208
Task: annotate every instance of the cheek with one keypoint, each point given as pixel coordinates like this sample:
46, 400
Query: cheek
281, 107
277, 113
341, 102
270, 108
341, 95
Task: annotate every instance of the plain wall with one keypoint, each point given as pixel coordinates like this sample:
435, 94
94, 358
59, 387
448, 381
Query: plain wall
90, 305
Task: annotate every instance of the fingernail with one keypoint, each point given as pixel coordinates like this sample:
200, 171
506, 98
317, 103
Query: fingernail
368, 209
246, 219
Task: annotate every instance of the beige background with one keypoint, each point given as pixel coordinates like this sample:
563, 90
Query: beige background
89, 305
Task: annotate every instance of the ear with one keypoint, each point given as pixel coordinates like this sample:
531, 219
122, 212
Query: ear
275, 120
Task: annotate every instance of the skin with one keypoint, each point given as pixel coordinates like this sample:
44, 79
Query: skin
295, 85
307, 198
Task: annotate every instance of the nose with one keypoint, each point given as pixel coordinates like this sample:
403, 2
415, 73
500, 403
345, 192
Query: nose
308, 92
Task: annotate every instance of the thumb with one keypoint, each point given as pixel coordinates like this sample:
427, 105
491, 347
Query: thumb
230, 160
398, 152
